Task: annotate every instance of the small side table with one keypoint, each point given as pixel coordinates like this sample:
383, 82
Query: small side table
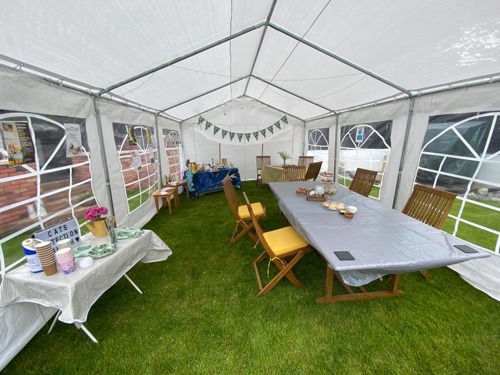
166, 195
176, 184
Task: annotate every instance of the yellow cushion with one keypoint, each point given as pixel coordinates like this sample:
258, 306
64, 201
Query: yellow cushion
284, 240
257, 209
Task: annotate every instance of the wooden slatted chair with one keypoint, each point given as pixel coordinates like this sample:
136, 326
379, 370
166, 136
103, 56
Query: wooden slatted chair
304, 161
293, 173
284, 247
363, 181
240, 212
261, 161
313, 171
430, 206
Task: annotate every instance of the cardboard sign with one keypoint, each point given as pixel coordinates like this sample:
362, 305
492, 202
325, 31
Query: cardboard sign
68, 229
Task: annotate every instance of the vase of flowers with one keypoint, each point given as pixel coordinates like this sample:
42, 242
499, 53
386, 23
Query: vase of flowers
284, 155
96, 221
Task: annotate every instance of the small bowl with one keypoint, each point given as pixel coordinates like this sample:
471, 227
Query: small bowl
352, 209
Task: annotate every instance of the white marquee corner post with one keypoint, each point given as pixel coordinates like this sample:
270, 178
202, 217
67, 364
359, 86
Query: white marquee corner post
102, 147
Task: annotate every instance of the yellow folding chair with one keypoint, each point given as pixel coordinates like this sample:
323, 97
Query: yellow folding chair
240, 212
279, 245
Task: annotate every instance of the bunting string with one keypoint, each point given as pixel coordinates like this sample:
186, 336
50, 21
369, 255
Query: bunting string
264, 133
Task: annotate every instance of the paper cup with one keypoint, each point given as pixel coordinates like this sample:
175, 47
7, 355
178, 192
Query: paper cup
49, 269
63, 243
67, 267
64, 255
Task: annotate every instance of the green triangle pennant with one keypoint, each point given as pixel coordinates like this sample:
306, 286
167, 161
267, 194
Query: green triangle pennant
231, 135
224, 133
256, 135
277, 124
247, 136
263, 132
216, 130
270, 129
284, 119
200, 120
240, 136
208, 125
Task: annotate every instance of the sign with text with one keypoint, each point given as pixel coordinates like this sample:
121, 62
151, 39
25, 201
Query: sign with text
66, 230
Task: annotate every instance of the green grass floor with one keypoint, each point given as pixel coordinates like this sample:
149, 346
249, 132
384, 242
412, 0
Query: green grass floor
199, 314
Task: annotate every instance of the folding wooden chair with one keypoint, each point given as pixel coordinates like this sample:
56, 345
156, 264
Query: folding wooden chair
240, 212
313, 171
430, 206
293, 173
261, 161
304, 161
363, 181
279, 245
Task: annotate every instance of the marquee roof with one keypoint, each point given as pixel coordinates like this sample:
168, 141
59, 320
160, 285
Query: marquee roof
306, 58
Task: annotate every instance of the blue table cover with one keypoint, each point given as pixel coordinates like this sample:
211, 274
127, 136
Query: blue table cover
207, 182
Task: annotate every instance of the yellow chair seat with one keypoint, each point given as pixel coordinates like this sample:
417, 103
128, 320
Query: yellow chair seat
284, 240
257, 208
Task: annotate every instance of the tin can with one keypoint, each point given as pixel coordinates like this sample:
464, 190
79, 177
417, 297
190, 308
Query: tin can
31, 257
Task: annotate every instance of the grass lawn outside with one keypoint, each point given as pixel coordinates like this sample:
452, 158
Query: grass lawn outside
199, 314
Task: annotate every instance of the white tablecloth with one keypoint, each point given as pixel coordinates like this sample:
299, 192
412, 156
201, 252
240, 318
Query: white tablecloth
382, 240
74, 294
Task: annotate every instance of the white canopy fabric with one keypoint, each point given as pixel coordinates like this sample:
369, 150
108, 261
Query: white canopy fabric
305, 58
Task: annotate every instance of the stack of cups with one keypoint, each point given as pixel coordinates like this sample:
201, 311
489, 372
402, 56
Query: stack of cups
63, 243
46, 257
65, 259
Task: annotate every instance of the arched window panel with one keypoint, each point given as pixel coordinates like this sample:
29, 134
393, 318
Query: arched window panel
365, 146
45, 158
461, 153
138, 157
172, 144
317, 145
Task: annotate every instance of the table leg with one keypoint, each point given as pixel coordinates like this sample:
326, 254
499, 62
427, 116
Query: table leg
156, 203
351, 295
133, 284
54, 321
87, 332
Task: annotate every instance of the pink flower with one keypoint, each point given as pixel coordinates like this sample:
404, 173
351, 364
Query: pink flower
95, 213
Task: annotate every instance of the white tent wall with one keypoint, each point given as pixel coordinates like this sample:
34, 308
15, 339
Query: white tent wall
23, 93
481, 273
243, 115
114, 113
398, 113
330, 123
164, 123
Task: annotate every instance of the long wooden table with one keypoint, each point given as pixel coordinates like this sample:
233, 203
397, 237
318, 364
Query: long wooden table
381, 240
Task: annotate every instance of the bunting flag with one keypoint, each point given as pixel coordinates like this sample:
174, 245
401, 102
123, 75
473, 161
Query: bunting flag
263, 132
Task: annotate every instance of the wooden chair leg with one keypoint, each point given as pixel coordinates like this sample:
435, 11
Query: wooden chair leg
426, 274
245, 229
283, 272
